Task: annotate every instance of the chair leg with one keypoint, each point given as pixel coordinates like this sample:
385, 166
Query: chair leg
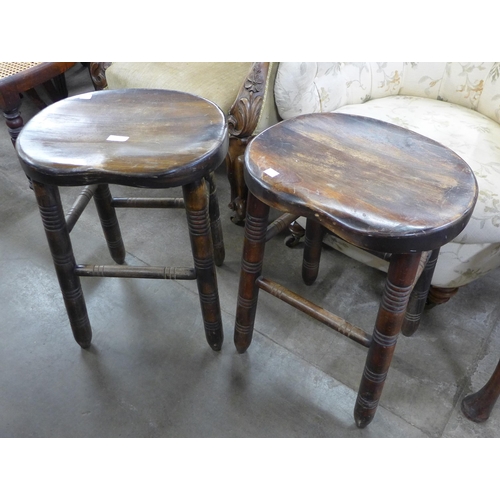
109, 223
477, 407
196, 201
438, 296
57, 88
51, 211
235, 174
418, 297
312, 251
14, 120
251, 268
402, 271
215, 222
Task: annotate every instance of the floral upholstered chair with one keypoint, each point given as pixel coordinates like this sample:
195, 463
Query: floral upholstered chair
456, 104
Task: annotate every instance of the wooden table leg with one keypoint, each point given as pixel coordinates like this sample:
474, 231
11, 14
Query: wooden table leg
251, 268
402, 271
109, 223
312, 251
51, 211
196, 201
477, 407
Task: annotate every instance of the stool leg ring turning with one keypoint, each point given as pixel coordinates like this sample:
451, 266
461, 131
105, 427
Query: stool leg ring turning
54, 223
402, 271
312, 251
418, 297
196, 201
251, 268
215, 222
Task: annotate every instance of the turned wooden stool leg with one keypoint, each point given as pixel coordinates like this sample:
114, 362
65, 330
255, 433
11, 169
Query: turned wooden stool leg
52, 214
251, 268
312, 251
477, 407
109, 223
215, 222
418, 297
196, 200
402, 271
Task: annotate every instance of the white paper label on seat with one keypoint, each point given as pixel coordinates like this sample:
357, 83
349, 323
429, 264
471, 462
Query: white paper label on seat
271, 172
117, 138
84, 96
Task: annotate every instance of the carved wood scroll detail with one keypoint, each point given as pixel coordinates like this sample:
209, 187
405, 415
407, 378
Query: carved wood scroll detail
245, 112
98, 74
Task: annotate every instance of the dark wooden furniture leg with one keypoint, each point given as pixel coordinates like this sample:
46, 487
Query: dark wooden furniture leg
109, 223
57, 88
23, 78
196, 200
235, 174
438, 296
418, 297
312, 251
251, 268
215, 222
402, 272
477, 407
14, 121
51, 211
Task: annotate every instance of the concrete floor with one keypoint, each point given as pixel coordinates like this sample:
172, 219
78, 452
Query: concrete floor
150, 372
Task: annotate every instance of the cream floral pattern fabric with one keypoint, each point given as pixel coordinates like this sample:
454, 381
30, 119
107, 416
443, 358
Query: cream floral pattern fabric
457, 104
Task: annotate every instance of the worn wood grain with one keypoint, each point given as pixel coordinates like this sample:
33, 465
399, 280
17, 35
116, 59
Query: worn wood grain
166, 130
378, 186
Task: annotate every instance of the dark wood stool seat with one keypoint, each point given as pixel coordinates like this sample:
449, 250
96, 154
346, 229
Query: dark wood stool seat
141, 138
379, 187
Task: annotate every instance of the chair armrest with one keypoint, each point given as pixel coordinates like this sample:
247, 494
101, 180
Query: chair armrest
254, 108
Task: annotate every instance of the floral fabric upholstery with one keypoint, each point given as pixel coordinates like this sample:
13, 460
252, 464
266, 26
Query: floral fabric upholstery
456, 104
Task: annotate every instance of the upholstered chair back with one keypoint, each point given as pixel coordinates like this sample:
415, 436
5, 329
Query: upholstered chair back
312, 87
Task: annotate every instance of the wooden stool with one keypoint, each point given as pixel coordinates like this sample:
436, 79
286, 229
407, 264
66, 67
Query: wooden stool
18, 77
378, 186
140, 138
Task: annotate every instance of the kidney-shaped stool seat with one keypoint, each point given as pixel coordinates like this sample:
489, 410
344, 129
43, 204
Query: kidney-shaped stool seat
377, 186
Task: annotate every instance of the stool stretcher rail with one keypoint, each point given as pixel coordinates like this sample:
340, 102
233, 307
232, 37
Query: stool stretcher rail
79, 206
279, 225
148, 203
150, 272
326, 317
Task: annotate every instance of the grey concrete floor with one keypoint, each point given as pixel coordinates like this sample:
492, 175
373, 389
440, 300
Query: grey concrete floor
150, 372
